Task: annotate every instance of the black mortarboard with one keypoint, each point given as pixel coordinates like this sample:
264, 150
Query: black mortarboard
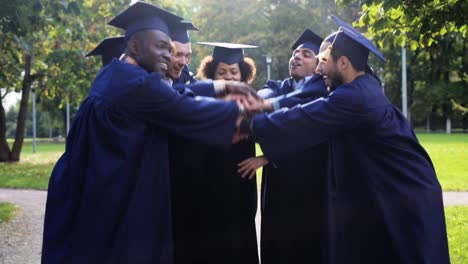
228, 53
180, 31
108, 48
357, 37
308, 40
142, 16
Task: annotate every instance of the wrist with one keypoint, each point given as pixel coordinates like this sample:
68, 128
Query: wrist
267, 105
219, 87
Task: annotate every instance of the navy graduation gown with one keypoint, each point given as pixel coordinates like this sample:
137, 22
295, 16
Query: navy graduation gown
384, 202
213, 207
109, 195
293, 198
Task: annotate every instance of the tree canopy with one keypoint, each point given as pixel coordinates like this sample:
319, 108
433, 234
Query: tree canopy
43, 43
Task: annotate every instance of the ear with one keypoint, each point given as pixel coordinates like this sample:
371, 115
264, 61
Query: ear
133, 46
343, 63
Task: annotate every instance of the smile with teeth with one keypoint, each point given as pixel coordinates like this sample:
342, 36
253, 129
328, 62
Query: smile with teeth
295, 64
163, 66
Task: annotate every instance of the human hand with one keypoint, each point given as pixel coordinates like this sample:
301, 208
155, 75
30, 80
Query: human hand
249, 166
247, 103
235, 87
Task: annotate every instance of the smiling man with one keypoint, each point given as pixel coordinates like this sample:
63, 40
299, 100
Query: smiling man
293, 193
109, 194
178, 68
383, 200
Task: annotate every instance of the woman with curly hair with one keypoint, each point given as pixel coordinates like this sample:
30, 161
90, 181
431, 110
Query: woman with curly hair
227, 63
215, 207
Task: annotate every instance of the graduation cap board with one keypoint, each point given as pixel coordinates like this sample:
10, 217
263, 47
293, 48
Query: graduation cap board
179, 32
228, 53
108, 48
358, 37
308, 40
353, 40
143, 16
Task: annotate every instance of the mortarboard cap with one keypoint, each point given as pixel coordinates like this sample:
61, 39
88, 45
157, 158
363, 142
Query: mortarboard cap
228, 53
308, 40
143, 16
180, 31
356, 36
108, 48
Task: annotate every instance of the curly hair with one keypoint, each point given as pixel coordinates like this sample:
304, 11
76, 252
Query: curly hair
207, 69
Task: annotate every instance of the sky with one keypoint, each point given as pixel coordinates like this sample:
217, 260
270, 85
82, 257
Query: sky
10, 100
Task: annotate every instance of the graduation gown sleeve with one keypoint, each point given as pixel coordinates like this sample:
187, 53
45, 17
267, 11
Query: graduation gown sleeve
307, 125
153, 101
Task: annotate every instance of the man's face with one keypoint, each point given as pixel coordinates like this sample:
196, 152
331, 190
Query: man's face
153, 51
328, 68
302, 63
181, 57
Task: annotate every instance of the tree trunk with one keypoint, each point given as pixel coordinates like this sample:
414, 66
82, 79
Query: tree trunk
23, 110
4, 148
448, 125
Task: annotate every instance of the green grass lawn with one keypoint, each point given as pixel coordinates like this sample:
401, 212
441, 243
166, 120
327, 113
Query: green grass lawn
457, 232
449, 154
7, 212
33, 170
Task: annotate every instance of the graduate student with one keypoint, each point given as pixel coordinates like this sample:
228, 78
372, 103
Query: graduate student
178, 69
214, 218
383, 199
109, 194
293, 215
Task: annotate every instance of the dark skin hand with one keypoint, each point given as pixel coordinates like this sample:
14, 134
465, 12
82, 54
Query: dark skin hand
233, 87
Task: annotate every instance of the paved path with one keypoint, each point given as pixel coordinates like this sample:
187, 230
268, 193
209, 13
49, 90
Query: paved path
21, 239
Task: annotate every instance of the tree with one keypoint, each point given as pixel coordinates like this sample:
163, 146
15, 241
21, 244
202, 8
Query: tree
36, 33
435, 33
19, 24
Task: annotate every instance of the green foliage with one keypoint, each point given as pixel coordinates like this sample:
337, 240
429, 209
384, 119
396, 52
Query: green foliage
7, 212
272, 25
457, 225
435, 34
423, 21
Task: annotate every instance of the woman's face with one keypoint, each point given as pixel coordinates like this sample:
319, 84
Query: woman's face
229, 72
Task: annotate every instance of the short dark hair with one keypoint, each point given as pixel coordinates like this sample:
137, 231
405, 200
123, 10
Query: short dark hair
207, 69
356, 53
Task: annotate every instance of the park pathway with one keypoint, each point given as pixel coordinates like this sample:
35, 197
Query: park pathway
21, 239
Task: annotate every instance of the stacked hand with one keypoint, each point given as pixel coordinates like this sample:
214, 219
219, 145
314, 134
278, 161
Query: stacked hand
248, 167
248, 101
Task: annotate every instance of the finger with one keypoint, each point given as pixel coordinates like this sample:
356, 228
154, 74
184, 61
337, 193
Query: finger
244, 162
252, 175
244, 174
241, 169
